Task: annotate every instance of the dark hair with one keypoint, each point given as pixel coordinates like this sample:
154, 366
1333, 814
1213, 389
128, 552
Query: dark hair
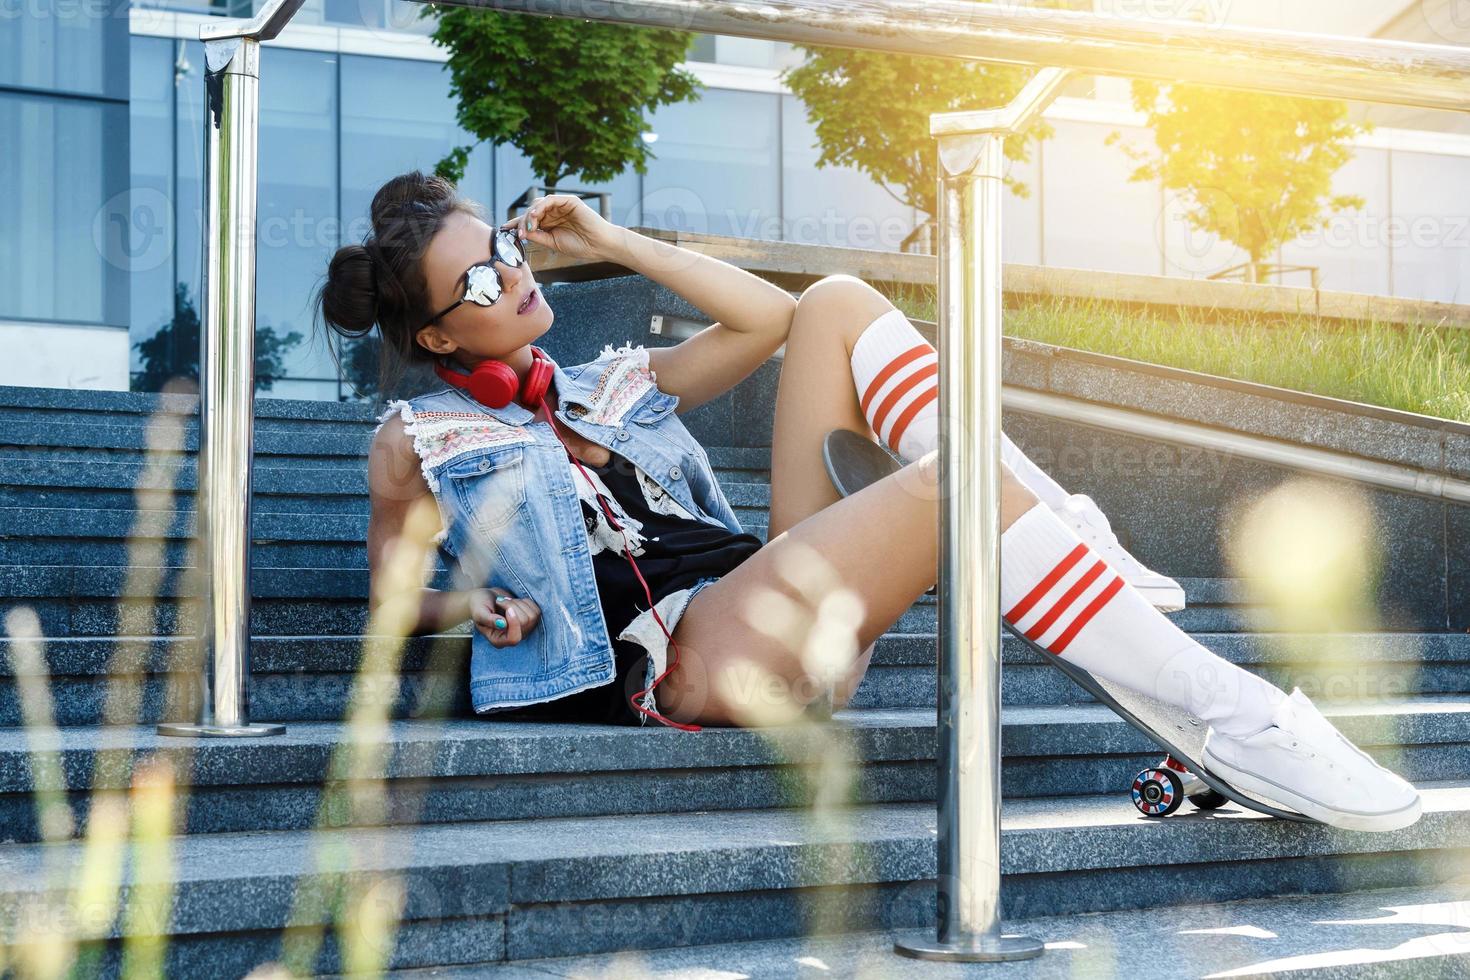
381, 281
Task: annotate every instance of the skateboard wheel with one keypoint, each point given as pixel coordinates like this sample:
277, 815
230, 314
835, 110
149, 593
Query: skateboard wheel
1208, 800
1157, 792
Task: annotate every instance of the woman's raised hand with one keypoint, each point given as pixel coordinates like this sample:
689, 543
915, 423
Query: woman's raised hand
503, 619
566, 224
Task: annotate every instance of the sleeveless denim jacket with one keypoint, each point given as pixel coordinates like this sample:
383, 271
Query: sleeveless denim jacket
512, 518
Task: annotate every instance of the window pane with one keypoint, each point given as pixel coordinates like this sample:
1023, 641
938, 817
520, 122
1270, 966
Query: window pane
297, 228
513, 176
1096, 218
151, 251
833, 205
717, 166
1430, 233
1347, 253
358, 13
63, 178
397, 116
77, 47
703, 48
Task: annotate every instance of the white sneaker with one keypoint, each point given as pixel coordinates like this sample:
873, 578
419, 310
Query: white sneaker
1091, 525
1303, 763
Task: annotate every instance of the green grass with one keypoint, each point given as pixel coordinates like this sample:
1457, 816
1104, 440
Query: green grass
1422, 369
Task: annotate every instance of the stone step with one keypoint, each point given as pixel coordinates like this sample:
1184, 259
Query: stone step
40, 582
278, 614
121, 441
32, 480
1390, 932
310, 677
556, 886
77, 526
457, 769
1340, 667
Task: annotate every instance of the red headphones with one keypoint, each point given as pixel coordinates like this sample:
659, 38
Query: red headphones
494, 383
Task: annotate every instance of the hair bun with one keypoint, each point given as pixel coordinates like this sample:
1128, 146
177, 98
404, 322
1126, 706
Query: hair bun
382, 281
349, 297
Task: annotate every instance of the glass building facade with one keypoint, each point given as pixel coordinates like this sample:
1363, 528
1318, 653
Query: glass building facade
100, 123
63, 193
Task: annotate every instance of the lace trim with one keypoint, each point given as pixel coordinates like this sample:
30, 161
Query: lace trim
410, 427
441, 437
625, 378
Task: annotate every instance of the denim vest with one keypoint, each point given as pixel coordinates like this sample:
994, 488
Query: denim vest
512, 518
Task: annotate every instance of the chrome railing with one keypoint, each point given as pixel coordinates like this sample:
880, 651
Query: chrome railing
970, 160
1425, 75
227, 369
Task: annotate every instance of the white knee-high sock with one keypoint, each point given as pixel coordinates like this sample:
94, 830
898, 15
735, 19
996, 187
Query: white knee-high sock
1047, 490
896, 372
1064, 598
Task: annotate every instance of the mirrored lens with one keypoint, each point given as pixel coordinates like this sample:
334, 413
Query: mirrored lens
482, 285
507, 249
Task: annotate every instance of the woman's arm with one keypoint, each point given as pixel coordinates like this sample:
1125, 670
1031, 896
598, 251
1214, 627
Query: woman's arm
752, 316
401, 528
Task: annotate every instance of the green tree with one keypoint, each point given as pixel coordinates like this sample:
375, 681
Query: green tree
174, 350
1255, 170
871, 111
569, 94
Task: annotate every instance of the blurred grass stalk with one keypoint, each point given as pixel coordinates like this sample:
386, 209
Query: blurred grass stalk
366, 905
819, 630
1418, 368
69, 940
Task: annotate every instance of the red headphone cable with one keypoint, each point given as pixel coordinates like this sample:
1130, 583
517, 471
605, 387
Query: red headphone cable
627, 553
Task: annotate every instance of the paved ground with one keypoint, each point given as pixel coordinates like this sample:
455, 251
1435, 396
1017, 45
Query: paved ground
1417, 933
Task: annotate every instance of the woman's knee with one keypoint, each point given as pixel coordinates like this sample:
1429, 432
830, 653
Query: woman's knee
854, 302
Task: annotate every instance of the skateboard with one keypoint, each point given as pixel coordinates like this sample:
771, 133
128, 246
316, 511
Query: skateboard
854, 461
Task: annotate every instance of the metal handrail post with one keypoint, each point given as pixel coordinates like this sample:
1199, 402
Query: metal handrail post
971, 178
227, 370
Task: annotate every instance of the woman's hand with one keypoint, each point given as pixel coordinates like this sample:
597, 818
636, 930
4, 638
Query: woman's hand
566, 224
504, 620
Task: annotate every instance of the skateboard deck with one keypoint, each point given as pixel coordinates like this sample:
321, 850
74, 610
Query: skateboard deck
854, 461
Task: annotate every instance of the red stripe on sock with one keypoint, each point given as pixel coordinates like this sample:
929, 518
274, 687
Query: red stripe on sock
1085, 616
893, 367
1045, 586
881, 415
1065, 602
915, 407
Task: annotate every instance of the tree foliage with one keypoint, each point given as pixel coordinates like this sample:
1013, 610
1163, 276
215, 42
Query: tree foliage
569, 94
1255, 170
174, 350
871, 111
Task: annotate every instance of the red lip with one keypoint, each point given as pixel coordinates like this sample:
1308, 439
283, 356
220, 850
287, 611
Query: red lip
531, 302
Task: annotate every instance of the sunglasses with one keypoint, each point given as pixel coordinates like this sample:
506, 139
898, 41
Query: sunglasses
482, 285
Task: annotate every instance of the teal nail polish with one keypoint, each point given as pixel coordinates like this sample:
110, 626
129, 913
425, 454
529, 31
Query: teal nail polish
499, 623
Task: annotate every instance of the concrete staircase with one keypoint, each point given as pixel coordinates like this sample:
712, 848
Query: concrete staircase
501, 840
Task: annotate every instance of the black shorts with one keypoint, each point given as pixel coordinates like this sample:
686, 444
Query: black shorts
608, 704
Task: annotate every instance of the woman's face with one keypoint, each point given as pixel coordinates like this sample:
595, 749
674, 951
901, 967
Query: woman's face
471, 331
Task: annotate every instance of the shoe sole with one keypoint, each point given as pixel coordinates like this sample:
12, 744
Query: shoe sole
1165, 600
1283, 797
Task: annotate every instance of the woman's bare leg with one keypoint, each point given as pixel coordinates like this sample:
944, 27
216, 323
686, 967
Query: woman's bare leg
880, 543
816, 394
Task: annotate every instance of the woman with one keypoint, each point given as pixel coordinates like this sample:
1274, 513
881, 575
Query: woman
557, 621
